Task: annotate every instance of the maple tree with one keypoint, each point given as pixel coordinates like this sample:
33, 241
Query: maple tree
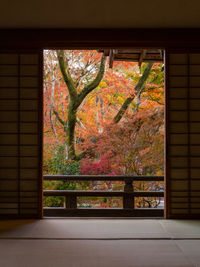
105, 121
78, 88
76, 97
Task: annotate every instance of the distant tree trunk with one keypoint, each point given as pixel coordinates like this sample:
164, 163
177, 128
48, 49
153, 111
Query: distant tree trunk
99, 114
102, 111
138, 89
51, 106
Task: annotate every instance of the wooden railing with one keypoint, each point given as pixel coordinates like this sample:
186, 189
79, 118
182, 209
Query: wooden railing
128, 195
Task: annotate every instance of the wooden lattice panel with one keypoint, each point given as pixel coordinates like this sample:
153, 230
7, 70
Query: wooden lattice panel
183, 135
20, 141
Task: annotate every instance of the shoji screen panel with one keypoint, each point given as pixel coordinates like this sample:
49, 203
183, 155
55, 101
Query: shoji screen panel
20, 134
183, 137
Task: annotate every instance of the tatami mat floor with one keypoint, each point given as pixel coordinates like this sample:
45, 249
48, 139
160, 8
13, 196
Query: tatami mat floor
99, 243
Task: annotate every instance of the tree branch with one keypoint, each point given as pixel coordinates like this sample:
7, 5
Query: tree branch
58, 117
66, 74
80, 123
144, 77
91, 86
138, 88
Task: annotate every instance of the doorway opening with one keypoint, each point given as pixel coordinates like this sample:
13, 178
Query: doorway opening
104, 132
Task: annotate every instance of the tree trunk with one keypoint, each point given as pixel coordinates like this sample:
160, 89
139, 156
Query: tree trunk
70, 132
138, 89
76, 99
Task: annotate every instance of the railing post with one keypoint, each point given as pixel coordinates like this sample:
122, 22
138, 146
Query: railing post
70, 202
128, 199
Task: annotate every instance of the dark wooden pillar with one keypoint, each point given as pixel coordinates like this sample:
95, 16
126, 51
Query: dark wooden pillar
70, 202
128, 199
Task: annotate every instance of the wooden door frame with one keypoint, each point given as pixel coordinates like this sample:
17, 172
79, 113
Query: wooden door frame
40, 39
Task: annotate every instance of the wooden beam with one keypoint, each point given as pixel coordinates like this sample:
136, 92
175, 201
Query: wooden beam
101, 193
106, 52
88, 212
136, 60
111, 58
103, 177
127, 56
181, 38
142, 55
152, 56
136, 51
161, 53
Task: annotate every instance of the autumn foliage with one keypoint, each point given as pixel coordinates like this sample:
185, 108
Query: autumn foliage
134, 145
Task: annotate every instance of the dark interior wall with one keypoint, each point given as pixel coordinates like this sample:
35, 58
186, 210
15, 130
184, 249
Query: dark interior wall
99, 14
20, 141
21, 114
90, 14
183, 134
